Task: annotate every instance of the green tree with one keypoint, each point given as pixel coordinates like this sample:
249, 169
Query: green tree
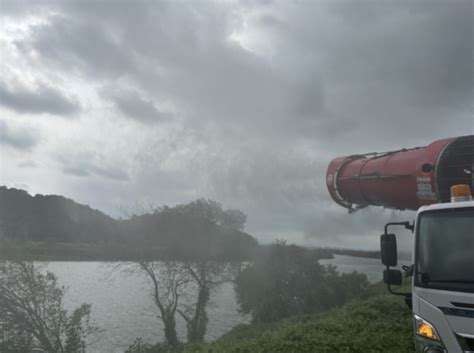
32, 313
233, 219
288, 280
201, 235
213, 211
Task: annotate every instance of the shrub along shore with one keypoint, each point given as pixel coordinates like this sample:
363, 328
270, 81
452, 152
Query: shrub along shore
377, 323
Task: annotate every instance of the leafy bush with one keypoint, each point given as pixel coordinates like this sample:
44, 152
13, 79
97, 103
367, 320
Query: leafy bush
139, 347
289, 280
381, 324
32, 313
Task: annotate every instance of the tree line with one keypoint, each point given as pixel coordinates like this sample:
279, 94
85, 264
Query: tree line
148, 232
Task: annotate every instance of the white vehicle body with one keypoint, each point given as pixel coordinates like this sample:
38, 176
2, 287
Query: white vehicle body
449, 308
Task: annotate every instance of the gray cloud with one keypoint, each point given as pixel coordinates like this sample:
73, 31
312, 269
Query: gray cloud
86, 164
18, 138
135, 107
27, 164
76, 171
384, 62
272, 21
307, 82
84, 46
113, 173
44, 99
18, 8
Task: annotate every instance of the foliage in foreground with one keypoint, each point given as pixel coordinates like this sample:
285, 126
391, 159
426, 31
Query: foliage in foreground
32, 315
381, 324
139, 347
288, 280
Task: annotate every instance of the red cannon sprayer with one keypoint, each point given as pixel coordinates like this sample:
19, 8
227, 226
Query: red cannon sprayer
402, 179
436, 180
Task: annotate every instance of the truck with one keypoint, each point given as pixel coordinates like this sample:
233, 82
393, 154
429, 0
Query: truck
436, 181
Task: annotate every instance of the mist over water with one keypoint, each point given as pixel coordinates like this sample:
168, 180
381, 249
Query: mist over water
123, 307
372, 267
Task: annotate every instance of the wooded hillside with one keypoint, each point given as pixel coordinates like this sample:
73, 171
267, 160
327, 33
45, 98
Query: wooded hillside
201, 227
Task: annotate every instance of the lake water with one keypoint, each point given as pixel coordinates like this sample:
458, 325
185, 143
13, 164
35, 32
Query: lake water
373, 268
122, 304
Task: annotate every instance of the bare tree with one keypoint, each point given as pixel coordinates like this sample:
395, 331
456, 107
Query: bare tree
185, 287
168, 280
207, 276
32, 312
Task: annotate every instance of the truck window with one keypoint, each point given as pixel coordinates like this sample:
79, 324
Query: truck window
445, 251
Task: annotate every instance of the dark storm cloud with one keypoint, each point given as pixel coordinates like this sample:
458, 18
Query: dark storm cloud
428, 64
367, 63
135, 107
170, 52
41, 100
337, 78
403, 64
18, 138
77, 44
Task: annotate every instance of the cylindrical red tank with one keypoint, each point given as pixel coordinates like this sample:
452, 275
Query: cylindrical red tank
403, 179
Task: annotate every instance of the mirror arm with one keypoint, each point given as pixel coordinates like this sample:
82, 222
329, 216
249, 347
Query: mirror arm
396, 293
407, 225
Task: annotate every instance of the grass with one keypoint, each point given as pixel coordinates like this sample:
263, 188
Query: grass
379, 324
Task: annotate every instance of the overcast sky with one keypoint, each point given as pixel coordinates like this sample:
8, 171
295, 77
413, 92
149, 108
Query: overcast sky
114, 102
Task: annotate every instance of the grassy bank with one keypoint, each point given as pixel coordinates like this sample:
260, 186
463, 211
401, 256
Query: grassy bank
380, 323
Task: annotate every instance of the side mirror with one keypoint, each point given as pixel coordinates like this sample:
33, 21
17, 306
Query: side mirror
393, 277
409, 301
388, 249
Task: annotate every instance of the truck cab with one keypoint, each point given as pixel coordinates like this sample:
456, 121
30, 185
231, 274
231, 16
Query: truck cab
436, 181
442, 294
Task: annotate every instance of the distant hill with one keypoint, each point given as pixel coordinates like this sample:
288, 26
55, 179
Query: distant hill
51, 218
60, 227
